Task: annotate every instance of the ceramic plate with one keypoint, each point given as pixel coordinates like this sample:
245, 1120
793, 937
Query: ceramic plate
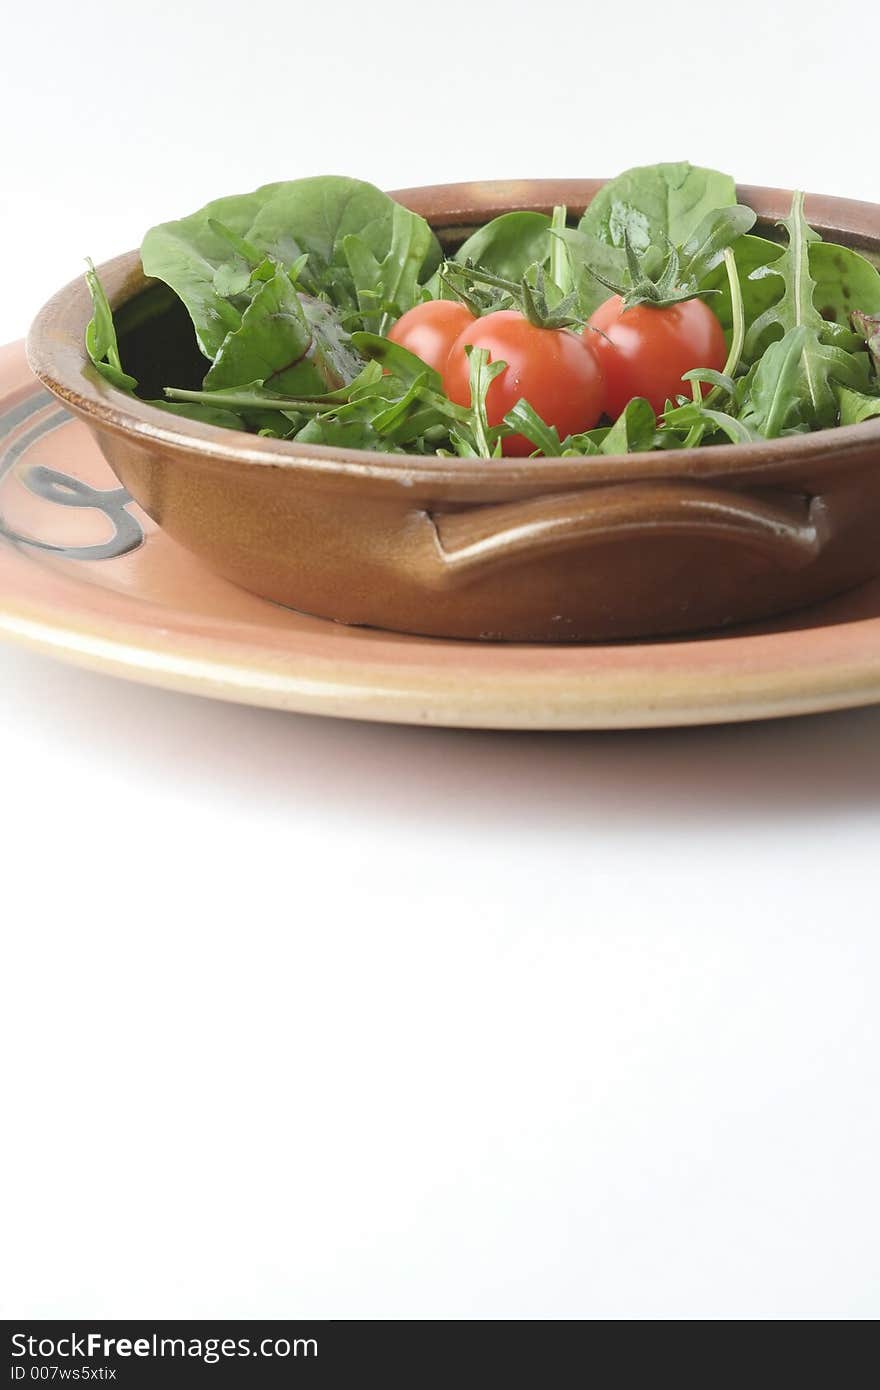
85, 575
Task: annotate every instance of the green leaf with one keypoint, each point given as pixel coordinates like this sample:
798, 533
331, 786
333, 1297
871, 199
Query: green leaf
795, 307
844, 281
588, 259
656, 204
389, 287
793, 388
509, 244
707, 376
704, 249
856, 406
486, 441
336, 359
395, 359
759, 291
634, 430
285, 221
343, 434
867, 326
270, 344
205, 414
101, 343
697, 422
526, 421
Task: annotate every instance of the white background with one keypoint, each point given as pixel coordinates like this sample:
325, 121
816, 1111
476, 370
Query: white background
318, 1018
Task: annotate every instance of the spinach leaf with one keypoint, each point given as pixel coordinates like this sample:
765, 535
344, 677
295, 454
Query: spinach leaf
587, 255
508, 245
752, 254
843, 281
656, 204
285, 221
599, 267
704, 248
270, 343
332, 352
387, 288
291, 343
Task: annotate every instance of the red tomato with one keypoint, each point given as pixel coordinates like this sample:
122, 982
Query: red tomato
428, 330
646, 350
557, 372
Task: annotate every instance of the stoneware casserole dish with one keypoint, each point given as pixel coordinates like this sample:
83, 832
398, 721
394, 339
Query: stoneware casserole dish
537, 550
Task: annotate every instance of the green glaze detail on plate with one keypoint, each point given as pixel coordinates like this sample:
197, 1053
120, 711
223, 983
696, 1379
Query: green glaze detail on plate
57, 486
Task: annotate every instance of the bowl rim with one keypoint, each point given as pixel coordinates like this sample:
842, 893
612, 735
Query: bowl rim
56, 353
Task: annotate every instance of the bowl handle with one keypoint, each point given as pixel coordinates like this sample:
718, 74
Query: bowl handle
788, 528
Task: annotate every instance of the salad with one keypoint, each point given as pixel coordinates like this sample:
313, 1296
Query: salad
324, 312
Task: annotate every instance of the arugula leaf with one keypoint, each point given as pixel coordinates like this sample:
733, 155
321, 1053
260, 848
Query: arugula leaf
508, 245
793, 388
699, 422
856, 406
656, 204
632, 432
842, 279
795, 307
478, 437
205, 414
101, 343
525, 420
343, 434
284, 221
395, 359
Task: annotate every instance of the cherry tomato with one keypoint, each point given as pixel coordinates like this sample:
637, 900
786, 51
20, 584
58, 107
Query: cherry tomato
557, 372
647, 350
428, 330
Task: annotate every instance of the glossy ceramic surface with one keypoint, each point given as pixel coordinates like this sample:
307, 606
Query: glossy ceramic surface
525, 550
87, 576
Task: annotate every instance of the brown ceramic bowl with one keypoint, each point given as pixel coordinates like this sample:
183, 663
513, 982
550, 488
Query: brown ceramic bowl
526, 550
